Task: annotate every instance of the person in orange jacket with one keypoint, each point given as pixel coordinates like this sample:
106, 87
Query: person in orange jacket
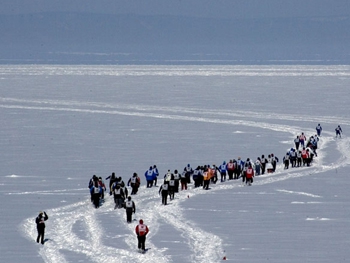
213, 174
141, 232
206, 178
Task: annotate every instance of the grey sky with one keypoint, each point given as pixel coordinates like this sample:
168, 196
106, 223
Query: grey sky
162, 30
203, 8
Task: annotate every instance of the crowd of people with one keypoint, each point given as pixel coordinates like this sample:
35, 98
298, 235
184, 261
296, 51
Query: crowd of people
302, 154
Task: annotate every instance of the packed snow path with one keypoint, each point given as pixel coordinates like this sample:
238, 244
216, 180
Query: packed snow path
77, 228
98, 247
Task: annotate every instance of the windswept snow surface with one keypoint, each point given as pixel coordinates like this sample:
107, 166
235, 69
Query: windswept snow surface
62, 124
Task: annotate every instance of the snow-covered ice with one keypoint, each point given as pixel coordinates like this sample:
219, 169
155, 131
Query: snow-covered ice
62, 124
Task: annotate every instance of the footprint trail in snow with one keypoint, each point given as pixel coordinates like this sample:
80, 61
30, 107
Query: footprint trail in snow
84, 234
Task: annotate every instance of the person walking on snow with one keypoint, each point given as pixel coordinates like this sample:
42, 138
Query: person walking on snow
103, 187
206, 179
299, 158
263, 162
167, 176
214, 174
155, 174
249, 174
123, 186
318, 129
119, 196
257, 166
96, 192
112, 180
188, 172
177, 181
286, 159
297, 143
238, 168
293, 157
223, 170
338, 131
183, 180
197, 177
171, 190
141, 232
129, 205
149, 174
163, 190
92, 181
40, 226
304, 156
134, 182
274, 161
230, 167
302, 139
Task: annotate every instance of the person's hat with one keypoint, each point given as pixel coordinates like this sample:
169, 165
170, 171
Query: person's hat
129, 198
141, 221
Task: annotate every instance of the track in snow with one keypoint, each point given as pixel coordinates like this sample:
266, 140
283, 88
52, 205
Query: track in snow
83, 232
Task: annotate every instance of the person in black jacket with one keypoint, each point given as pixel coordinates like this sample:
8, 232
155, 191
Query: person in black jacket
163, 189
40, 226
134, 182
129, 205
119, 195
112, 179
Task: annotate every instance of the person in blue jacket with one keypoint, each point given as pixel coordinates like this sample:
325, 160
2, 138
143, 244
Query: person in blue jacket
318, 129
197, 177
223, 170
149, 174
155, 174
188, 173
96, 192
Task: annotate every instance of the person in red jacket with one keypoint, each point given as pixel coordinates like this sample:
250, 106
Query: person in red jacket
249, 174
304, 156
141, 232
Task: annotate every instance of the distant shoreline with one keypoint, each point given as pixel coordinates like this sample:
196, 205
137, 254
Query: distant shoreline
174, 62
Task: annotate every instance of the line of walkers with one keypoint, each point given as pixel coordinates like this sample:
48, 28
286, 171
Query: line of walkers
235, 169
204, 175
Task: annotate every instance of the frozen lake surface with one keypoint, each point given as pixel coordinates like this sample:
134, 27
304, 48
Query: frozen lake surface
62, 124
